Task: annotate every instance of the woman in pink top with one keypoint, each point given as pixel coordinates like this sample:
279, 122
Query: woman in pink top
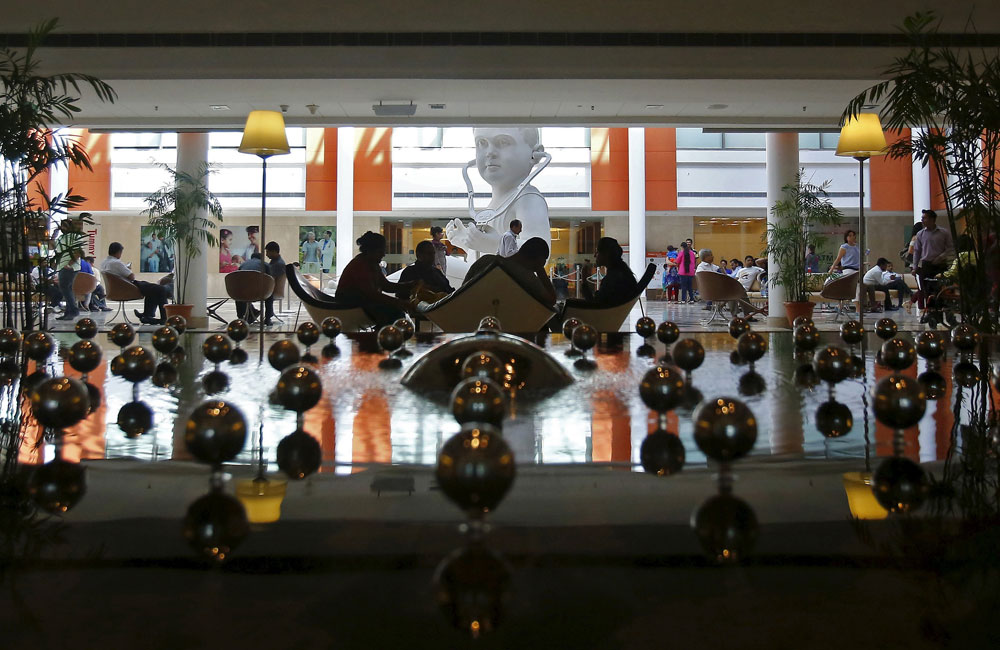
686, 265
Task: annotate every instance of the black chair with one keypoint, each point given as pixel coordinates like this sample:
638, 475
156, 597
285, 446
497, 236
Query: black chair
321, 306
607, 318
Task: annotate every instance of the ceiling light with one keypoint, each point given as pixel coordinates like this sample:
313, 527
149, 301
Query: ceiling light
437, 107
653, 107
394, 110
717, 107
219, 107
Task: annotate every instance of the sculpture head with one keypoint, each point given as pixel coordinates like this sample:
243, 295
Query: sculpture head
505, 156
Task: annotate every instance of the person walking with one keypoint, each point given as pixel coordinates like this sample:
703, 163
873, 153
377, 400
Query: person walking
686, 266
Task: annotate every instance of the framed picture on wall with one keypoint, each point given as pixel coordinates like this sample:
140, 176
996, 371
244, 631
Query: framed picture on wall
237, 245
155, 254
317, 249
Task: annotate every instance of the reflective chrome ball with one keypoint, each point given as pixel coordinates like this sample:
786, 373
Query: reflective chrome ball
483, 365
802, 320
475, 468
471, 585
122, 335
238, 356
668, 332
805, 337
215, 432
569, 325
727, 528
86, 328
833, 365
94, 394
10, 341
299, 455
238, 330
585, 336
834, 419
58, 485
406, 326
138, 364
85, 356
898, 353
851, 332
307, 333
215, 525
751, 345
857, 366
330, 350
165, 339
899, 484
490, 324
390, 338
9, 371
966, 374
965, 337
929, 345
331, 327
283, 353
738, 327
135, 419
688, 354
117, 363
60, 402
662, 388
217, 348
179, 323
38, 346
165, 374
215, 382
934, 384
178, 356
734, 358
662, 453
885, 328
645, 327
751, 383
478, 400
725, 429
899, 402
299, 388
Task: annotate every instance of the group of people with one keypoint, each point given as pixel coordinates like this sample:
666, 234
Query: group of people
230, 259
156, 255
683, 263
317, 254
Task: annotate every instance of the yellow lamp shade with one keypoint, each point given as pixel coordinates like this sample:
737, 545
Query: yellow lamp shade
264, 134
261, 499
862, 137
860, 497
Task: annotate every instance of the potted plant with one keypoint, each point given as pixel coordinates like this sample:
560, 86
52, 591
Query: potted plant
803, 207
183, 212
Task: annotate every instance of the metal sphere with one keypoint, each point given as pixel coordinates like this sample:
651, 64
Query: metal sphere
238, 356
885, 328
165, 374
215, 525
117, 363
727, 528
483, 365
406, 326
751, 383
475, 468
299, 388
899, 484
645, 327
32, 381
94, 395
86, 328
569, 325
135, 419
857, 366
645, 350
806, 337
478, 400
833, 365
238, 330
899, 402
662, 388
688, 354
898, 354
331, 327
329, 351
751, 346
470, 587
138, 364
60, 402
935, 385
802, 320
662, 453
282, 354
692, 398
390, 338
307, 333
738, 327
215, 382
585, 336
179, 323
725, 429
10, 341
734, 358
929, 345
165, 339
178, 356
217, 348
58, 485
834, 419
668, 332
215, 432
299, 455
122, 335
967, 374
490, 324
9, 371
965, 337
84, 356
38, 346
851, 332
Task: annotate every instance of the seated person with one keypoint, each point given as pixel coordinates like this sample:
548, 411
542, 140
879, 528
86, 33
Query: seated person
745, 277
527, 266
429, 283
362, 284
94, 301
893, 280
873, 282
155, 295
619, 283
707, 261
275, 266
748, 274
966, 258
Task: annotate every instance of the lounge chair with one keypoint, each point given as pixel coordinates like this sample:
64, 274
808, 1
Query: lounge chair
841, 290
607, 318
321, 306
721, 290
119, 290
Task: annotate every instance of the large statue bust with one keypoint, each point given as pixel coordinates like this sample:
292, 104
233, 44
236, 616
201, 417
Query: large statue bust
508, 159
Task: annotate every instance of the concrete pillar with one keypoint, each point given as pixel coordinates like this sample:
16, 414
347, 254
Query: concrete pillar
921, 182
782, 163
637, 200
192, 154
345, 197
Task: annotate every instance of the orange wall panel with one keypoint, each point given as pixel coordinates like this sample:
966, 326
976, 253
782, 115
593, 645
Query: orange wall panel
94, 185
661, 169
373, 169
892, 178
34, 196
321, 169
609, 169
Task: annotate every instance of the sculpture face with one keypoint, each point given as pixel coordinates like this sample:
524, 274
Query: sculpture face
503, 158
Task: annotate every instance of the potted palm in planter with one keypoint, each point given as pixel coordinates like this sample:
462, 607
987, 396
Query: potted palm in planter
183, 212
803, 206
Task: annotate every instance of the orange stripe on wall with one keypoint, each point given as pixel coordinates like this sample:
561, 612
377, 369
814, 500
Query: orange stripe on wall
34, 196
609, 169
94, 185
661, 169
321, 169
892, 178
373, 169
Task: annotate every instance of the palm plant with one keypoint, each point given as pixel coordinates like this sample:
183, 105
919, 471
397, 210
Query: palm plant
803, 206
177, 211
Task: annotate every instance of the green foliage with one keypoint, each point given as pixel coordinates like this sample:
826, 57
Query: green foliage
804, 206
176, 211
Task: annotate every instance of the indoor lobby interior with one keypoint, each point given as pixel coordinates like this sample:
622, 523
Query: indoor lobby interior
491, 469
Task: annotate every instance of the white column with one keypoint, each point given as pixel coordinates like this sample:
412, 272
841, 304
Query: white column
637, 200
782, 162
345, 196
192, 154
921, 182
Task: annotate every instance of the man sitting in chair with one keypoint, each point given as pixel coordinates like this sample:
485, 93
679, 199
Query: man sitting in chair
527, 266
742, 303
275, 266
430, 284
619, 283
154, 295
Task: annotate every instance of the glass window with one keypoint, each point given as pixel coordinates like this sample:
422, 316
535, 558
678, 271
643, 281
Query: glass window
829, 140
743, 141
697, 139
809, 141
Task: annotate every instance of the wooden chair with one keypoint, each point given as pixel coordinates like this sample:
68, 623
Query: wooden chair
320, 306
607, 318
120, 290
841, 290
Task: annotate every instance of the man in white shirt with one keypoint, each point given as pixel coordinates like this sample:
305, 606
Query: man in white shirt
747, 275
707, 259
508, 243
154, 295
743, 303
873, 282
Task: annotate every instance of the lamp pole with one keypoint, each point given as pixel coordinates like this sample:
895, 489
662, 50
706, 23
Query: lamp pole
263, 243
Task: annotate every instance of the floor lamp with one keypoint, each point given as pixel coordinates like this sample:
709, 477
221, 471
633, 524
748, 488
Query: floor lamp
264, 136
